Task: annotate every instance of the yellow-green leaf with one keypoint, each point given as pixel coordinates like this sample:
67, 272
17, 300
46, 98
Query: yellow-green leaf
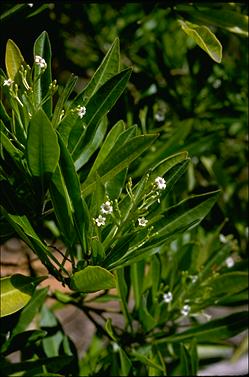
203, 36
16, 291
92, 279
13, 59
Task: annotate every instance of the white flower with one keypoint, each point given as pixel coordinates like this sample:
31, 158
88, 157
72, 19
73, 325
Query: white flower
106, 208
160, 182
229, 262
30, 5
40, 61
185, 310
167, 297
100, 220
222, 238
159, 117
8, 82
81, 111
142, 221
115, 347
194, 278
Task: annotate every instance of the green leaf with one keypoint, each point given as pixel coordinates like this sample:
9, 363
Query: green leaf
80, 210
204, 38
123, 157
194, 357
185, 363
53, 364
145, 360
125, 362
42, 145
21, 340
92, 279
137, 279
92, 146
12, 10
212, 331
30, 310
108, 144
16, 292
26, 232
108, 68
177, 219
123, 293
98, 106
13, 59
41, 87
109, 329
15, 153
62, 207
227, 284
235, 22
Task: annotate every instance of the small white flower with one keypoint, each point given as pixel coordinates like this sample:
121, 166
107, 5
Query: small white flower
8, 82
142, 221
159, 117
106, 208
167, 297
194, 278
160, 182
185, 310
100, 220
40, 62
229, 262
81, 111
115, 347
222, 238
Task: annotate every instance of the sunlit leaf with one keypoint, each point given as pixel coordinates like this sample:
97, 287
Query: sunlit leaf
203, 36
16, 291
92, 279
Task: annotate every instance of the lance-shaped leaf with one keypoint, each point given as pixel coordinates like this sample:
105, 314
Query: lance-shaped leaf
108, 68
80, 210
42, 145
177, 219
98, 106
42, 48
203, 36
13, 59
15, 292
92, 279
62, 207
122, 158
107, 145
26, 232
213, 331
52, 364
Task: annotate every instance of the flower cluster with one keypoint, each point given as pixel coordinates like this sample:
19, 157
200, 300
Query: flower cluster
106, 209
40, 62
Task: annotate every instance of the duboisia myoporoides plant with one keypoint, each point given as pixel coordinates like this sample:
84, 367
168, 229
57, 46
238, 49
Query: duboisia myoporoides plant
66, 170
